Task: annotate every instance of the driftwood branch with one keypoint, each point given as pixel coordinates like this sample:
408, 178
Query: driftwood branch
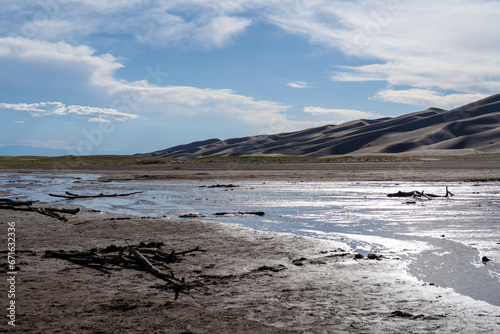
197, 249
49, 213
141, 257
419, 194
220, 186
9, 204
8, 201
177, 284
170, 257
70, 211
234, 213
70, 195
240, 213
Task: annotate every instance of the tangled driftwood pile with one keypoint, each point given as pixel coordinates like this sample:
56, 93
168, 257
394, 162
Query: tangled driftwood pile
10, 204
148, 257
418, 194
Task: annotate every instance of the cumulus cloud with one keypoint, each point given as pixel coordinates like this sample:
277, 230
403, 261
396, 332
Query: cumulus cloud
127, 99
298, 84
440, 45
206, 23
426, 45
100, 68
57, 108
193, 101
344, 114
426, 98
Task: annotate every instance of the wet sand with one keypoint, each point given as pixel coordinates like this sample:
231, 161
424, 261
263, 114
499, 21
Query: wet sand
246, 282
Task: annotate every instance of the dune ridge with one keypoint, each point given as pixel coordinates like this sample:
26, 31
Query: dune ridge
469, 129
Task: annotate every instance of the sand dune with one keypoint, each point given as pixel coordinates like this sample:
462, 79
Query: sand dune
473, 128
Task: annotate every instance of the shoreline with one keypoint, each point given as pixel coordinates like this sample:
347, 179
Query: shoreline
247, 281
424, 170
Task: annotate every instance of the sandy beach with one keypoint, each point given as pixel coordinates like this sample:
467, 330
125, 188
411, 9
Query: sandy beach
243, 281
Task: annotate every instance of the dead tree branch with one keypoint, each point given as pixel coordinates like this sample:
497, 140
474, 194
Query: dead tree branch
419, 194
234, 213
9, 204
70, 195
118, 257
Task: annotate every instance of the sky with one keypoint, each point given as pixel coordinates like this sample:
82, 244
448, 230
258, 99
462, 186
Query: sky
133, 76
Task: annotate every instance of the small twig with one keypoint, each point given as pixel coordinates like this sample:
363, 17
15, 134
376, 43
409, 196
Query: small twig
197, 249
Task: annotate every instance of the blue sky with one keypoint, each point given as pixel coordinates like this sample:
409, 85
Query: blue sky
122, 77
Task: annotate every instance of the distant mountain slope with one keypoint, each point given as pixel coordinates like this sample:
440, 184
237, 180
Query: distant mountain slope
473, 128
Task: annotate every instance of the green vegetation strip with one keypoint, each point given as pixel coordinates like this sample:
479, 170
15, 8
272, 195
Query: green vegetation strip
128, 160
122, 160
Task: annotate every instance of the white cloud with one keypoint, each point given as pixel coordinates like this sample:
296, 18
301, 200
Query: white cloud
55, 29
205, 23
221, 29
440, 45
127, 99
58, 108
101, 68
298, 84
193, 101
427, 44
345, 114
443, 45
280, 125
99, 119
426, 98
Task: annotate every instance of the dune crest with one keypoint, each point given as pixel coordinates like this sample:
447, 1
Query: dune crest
473, 128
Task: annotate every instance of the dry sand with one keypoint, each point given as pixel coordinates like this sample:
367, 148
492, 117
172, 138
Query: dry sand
248, 281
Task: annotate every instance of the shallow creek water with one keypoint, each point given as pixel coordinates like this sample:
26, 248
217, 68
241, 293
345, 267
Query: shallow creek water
441, 241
